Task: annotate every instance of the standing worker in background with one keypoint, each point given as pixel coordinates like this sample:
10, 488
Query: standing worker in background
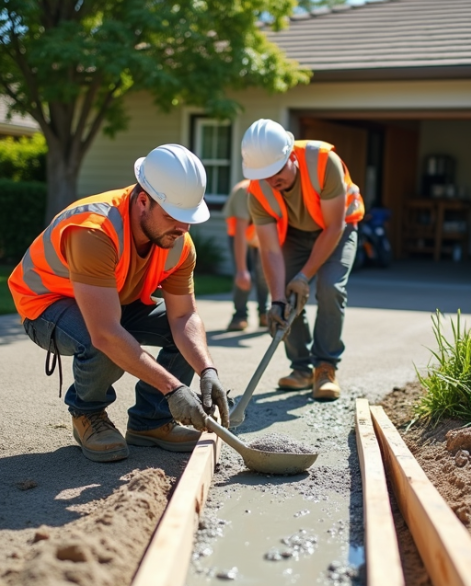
85, 289
243, 244
305, 208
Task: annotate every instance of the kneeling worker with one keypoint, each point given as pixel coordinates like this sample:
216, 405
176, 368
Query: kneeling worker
305, 208
85, 289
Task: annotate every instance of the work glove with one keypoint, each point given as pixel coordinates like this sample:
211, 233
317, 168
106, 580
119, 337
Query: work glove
277, 316
186, 407
213, 393
299, 286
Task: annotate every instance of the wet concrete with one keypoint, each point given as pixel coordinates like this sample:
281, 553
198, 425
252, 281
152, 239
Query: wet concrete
256, 519
282, 530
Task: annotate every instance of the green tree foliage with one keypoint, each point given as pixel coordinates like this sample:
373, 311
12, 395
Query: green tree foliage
23, 159
69, 64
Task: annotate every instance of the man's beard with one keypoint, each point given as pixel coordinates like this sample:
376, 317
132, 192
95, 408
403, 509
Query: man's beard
161, 240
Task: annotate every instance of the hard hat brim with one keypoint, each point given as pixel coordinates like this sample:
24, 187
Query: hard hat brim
264, 172
195, 215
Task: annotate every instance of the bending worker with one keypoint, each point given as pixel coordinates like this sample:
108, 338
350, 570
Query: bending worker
305, 208
243, 243
85, 289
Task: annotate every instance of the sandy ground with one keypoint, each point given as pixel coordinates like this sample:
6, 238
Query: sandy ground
64, 519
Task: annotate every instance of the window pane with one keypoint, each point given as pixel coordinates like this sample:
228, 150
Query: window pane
207, 140
224, 142
211, 173
223, 181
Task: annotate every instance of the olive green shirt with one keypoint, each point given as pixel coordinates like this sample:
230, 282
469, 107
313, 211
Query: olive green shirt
237, 205
298, 215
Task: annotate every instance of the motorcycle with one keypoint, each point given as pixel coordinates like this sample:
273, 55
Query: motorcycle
374, 248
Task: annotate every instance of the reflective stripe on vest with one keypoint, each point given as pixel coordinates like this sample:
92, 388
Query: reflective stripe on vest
312, 159
42, 277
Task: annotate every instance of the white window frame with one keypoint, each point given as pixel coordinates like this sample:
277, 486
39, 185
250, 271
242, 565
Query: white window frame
199, 123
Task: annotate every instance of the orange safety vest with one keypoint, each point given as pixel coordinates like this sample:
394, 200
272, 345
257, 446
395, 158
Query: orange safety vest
312, 158
231, 228
42, 277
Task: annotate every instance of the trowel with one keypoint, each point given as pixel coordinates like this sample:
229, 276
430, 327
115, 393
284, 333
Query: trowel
237, 414
263, 461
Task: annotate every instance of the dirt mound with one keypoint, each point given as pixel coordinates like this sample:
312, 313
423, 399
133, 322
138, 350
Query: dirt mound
102, 548
442, 452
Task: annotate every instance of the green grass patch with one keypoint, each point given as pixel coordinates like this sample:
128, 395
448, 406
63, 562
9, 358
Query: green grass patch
204, 285
207, 284
6, 300
447, 382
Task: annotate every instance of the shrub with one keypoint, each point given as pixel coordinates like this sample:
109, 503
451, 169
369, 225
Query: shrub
447, 383
23, 159
23, 206
209, 255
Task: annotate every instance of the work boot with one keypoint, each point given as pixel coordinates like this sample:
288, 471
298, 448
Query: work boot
98, 437
238, 324
326, 386
263, 320
171, 437
297, 381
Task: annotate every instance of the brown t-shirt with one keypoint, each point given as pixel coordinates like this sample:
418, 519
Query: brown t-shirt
298, 215
92, 260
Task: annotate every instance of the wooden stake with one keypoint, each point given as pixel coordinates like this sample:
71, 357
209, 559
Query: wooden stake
167, 558
382, 550
443, 542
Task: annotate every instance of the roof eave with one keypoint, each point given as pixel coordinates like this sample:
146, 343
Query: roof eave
393, 73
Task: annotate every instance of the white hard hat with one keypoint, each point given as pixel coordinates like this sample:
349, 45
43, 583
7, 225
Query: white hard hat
175, 178
266, 147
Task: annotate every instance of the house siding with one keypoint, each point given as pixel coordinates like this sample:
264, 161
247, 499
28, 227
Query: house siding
109, 162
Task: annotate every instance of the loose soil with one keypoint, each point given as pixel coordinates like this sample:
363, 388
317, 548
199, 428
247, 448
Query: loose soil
104, 546
443, 453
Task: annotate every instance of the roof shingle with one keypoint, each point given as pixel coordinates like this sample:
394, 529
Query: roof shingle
387, 35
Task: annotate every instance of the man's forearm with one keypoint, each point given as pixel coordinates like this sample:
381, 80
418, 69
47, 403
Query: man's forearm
190, 338
124, 350
324, 246
274, 269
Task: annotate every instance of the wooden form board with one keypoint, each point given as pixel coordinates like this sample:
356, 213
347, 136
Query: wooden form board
382, 551
166, 560
443, 542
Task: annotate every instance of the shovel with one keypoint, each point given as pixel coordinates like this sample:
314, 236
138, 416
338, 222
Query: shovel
237, 415
260, 460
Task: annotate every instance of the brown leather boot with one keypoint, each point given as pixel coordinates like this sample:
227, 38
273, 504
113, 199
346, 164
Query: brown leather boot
326, 386
171, 436
238, 324
98, 437
296, 381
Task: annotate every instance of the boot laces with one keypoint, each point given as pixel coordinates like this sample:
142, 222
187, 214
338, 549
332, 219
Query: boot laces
100, 422
326, 371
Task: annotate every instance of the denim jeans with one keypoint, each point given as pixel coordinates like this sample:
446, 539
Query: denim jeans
94, 373
325, 345
241, 297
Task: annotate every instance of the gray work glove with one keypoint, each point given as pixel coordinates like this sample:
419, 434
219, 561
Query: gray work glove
186, 407
299, 286
213, 393
277, 316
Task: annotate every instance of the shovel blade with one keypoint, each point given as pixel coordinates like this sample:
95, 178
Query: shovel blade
278, 463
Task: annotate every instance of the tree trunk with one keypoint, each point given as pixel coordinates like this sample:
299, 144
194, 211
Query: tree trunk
62, 176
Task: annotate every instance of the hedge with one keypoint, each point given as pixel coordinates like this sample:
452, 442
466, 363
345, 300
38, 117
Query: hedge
22, 213
23, 159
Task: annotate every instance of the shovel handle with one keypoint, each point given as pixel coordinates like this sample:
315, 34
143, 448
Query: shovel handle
238, 414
